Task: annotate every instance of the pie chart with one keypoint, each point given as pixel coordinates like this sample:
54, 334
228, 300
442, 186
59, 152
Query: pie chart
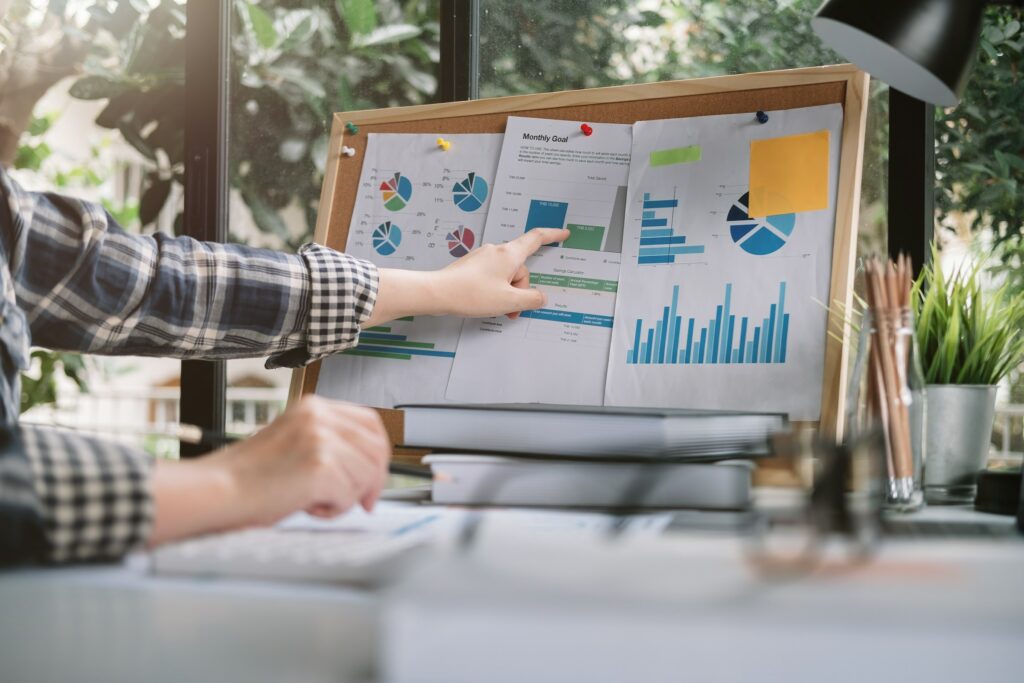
396, 192
460, 241
470, 194
386, 238
758, 236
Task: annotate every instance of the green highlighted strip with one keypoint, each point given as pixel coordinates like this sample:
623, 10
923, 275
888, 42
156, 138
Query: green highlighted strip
572, 282
407, 318
378, 329
397, 342
676, 155
377, 354
584, 237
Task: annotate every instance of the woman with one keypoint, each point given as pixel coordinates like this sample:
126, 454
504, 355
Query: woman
73, 279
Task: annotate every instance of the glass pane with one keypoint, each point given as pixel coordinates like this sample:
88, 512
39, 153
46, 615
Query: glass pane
979, 172
295, 63
562, 45
90, 99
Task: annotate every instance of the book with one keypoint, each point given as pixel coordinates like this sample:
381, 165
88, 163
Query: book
589, 432
462, 479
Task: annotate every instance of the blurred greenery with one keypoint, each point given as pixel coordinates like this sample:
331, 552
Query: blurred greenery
39, 386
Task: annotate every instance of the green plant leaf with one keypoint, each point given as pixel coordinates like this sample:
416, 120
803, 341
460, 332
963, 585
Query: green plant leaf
359, 15
262, 26
386, 35
96, 88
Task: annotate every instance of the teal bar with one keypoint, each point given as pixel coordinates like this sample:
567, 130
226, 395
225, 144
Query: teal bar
659, 339
723, 349
673, 335
780, 316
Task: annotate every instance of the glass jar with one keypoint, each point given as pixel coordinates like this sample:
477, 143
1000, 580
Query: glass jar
887, 394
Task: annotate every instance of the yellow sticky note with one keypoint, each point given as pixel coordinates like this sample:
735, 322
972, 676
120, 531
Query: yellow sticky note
789, 174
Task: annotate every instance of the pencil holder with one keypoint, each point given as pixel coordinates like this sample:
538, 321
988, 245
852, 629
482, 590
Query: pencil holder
887, 394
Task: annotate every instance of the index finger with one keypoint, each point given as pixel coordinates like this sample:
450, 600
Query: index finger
536, 238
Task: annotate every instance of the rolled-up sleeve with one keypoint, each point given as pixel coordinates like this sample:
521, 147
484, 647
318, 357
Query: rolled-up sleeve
94, 496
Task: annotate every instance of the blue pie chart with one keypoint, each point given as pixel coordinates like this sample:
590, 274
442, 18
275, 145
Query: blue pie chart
758, 236
470, 193
386, 238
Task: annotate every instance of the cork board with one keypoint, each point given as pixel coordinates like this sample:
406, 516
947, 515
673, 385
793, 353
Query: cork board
773, 90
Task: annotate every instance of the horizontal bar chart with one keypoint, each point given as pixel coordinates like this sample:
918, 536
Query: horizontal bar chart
724, 340
381, 342
658, 241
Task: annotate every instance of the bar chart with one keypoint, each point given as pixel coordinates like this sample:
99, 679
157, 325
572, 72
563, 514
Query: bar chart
722, 340
659, 242
382, 342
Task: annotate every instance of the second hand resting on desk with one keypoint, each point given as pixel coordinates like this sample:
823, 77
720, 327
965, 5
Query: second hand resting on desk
192, 434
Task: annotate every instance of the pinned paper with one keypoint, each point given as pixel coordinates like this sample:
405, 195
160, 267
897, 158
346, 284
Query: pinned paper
789, 174
676, 155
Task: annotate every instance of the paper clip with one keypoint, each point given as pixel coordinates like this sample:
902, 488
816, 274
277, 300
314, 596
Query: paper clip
348, 151
761, 117
587, 129
444, 144
351, 128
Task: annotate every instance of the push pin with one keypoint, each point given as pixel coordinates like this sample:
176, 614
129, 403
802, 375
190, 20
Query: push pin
348, 151
762, 117
351, 128
586, 129
444, 144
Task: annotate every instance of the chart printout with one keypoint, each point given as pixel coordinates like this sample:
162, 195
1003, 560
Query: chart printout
718, 307
551, 175
418, 207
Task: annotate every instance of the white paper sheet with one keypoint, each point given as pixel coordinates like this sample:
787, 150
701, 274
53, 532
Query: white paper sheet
552, 175
703, 200
424, 219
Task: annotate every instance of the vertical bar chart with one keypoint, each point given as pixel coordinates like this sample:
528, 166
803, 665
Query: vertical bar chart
725, 339
658, 241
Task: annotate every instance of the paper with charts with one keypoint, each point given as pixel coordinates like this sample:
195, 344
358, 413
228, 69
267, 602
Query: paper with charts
551, 175
418, 207
725, 265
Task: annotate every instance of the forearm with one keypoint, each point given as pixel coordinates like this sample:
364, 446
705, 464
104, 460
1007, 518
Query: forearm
190, 498
402, 293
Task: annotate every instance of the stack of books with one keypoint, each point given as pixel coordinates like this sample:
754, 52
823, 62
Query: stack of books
568, 456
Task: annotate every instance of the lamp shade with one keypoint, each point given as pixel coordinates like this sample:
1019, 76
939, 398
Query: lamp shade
921, 47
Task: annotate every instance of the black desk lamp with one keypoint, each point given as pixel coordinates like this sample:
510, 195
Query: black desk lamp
923, 48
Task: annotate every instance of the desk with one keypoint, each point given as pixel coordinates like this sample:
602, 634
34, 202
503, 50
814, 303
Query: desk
114, 624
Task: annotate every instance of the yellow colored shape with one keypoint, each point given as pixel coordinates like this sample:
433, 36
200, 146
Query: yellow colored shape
789, 174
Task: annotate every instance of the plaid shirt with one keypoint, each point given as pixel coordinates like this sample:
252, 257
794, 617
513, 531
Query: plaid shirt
74, 280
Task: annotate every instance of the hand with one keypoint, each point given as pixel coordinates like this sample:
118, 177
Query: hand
494, 279
490, 280
320, 456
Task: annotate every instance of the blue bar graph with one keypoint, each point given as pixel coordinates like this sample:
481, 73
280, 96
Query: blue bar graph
726, 338
545, 214
658, 241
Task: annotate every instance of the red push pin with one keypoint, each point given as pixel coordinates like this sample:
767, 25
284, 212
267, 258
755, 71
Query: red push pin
587, 129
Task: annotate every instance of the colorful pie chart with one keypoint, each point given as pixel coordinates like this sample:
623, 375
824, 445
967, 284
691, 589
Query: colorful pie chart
758, 236
396, 192
386, 238
471, 193
460, 241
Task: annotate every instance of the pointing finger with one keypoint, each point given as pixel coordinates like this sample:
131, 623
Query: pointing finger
536, 238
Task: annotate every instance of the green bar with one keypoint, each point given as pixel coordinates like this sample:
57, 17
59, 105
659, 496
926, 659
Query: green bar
676, 155
398, 342
377, 329
377, 354
408, 318
573, 282
584, 237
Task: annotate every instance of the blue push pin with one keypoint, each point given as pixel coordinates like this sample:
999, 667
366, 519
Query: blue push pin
762, 117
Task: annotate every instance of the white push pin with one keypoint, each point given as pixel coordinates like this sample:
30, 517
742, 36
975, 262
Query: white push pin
348, 151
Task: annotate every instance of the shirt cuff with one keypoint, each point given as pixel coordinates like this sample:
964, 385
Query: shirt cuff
344, 291
95, 496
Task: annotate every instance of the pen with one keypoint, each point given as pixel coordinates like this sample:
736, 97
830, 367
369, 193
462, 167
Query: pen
193, 434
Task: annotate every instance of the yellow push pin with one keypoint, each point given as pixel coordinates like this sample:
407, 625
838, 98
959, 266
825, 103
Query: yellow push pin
444, 144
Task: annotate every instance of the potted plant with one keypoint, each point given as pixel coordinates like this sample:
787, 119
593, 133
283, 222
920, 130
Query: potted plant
969, 340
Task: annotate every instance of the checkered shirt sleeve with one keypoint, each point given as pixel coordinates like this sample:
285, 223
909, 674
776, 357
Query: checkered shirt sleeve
84, 284
344, 290
95, 496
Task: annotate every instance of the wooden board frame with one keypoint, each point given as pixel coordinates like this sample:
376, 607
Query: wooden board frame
839, 84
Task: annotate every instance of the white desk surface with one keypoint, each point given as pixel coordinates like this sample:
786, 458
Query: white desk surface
120, 624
